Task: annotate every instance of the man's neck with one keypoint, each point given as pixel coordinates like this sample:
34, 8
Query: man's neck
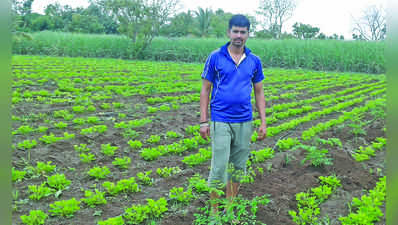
235, 50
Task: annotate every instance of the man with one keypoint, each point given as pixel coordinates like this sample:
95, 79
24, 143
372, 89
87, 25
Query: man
230, 73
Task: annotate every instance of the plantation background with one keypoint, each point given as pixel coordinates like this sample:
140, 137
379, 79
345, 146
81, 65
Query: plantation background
324, 55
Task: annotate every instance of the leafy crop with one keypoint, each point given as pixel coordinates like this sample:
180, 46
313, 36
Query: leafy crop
122, 163
65, 208
58, 181
36, 217
144, 178
99, 172
39, 192
168, 171
93, 199
317, 157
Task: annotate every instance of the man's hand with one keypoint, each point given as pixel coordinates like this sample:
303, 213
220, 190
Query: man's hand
205, 132
262, 132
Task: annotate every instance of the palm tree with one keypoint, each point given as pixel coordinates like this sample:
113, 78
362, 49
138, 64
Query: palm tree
203, 17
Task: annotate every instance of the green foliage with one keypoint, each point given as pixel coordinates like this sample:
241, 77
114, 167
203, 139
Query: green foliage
24, 129
195, 159
124, 185
93, 199
136, 144
308, 202
136, 214
329, 141
86, 158
78, 108
105, 105
178, 194
287, 143
39, 192
198, 184
99, 172
172, 134
326, 55
317, 157
27, 144
45, 168
63, 114
112, 221
153, 139
81, 148
36, 217
60, 125
144, 178
65, 208
151, 153
108, 150
168, 171
58, 181
254, 136
262, 155
92, 120
152, 109
192, 130
331, 181
122, 163
239, 210
304, 31
164, 108
17, 175
94, 129
367, 207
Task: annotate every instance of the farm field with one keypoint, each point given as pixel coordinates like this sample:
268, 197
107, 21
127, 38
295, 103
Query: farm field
110, 141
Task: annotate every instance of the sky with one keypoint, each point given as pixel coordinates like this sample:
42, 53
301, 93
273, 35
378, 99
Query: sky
331, 16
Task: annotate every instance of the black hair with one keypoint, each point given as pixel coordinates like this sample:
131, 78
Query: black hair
239, 20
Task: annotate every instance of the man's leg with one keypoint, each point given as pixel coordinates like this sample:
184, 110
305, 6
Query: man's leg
220, 143
239, 155
232, 189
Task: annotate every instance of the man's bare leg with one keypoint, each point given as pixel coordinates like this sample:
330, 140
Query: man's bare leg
232, 191
214, 202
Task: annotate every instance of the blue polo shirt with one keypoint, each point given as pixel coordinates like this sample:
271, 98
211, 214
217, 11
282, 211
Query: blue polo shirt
232, 84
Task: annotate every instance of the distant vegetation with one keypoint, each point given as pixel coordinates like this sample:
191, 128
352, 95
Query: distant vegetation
327, 55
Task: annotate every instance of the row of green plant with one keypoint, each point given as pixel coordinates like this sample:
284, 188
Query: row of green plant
308, 210
272, 131
364, 153
312, 131
366, 210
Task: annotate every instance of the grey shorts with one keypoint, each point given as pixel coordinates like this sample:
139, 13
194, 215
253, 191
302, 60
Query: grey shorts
230, 151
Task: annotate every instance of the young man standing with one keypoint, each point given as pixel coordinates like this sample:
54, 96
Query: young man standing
230, 73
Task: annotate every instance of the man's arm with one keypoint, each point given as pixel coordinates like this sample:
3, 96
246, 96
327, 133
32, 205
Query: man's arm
260, 104
204, 104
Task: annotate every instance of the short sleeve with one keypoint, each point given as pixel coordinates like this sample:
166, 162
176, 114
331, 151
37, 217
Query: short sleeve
258, 73
209, 71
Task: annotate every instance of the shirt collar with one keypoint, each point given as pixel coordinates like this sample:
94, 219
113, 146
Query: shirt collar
224, 49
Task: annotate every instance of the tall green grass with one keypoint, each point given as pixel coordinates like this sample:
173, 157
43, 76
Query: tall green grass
326, 55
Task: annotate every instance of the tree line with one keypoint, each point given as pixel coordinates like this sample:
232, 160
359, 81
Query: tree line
142, 20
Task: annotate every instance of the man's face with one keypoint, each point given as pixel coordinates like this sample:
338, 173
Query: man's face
238, 36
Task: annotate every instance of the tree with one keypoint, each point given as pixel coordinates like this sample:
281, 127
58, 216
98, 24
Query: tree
180, 25
21, 14
140, 20
275, 13
371, 26
203, 17
321, 36
17, 20
109, 24
304, 31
